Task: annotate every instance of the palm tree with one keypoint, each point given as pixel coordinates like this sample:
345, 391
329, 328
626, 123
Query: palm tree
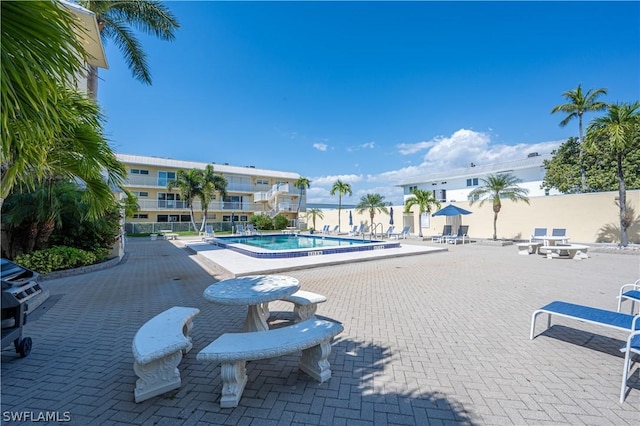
211, 183
425, 200
617, 132
374, 203
302, 183
188, 183
313, 213
496, 187
341, 189
578, 104
115, 19
32, 74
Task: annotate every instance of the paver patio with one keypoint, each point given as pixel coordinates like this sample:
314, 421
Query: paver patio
440, 338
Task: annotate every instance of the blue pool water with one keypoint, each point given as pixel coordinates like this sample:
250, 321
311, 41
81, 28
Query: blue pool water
277, 246
290, 242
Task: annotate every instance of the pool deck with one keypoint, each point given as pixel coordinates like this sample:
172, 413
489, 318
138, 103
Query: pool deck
440, 338
238, 264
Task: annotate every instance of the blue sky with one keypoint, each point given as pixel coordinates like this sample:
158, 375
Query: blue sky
368, 92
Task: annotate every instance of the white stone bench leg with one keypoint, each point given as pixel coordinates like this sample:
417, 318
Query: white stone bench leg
186, 330
157, 377
302, 313
315, 363
234, 379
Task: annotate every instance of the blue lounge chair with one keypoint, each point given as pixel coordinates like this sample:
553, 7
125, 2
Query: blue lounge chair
629, 292
401, 234
389, 231
537, 235
632, 347
446, 232
460, 236
240, 229
209, 233
325, 229
588, 314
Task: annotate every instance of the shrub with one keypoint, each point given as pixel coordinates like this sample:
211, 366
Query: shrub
59, 257
261, 221
280, 222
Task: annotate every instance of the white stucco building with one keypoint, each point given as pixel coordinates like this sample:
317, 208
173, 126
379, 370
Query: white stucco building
455, 185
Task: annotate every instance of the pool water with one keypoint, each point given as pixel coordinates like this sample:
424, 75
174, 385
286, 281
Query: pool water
292, 242
277, 246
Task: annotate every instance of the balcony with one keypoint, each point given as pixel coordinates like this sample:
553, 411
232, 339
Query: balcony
156, 182
215, 206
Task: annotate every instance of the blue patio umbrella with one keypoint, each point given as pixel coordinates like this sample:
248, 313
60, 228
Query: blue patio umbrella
391, 216
350, 219
451, 210
232, 223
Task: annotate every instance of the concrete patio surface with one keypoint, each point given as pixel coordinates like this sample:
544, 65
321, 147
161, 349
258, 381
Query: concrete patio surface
436, 338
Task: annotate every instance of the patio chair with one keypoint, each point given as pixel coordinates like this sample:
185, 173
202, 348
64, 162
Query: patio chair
588, 314
389, 231
559, 232
537, 235
251, 230
358, 230
402, 234
460, 236
335, 229
446, 232
325, 229
632, 347
209, 233
629, 292
240, 229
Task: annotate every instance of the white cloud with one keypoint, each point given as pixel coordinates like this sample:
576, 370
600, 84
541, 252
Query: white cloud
442, 153
320, 146
367, 145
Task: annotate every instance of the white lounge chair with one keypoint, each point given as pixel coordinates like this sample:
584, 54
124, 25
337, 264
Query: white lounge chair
632, 347
538, 234
251, 230
462, 234
629, 292
240, 229
403, 234
209, 233
446, 233
357, 230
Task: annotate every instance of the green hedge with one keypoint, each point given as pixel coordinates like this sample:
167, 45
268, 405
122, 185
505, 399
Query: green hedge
60, 257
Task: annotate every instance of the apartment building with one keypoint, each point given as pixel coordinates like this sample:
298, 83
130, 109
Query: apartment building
455, 185
249, 191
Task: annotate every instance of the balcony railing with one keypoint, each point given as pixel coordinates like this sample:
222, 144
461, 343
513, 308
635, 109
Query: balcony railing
150, 181
146, 205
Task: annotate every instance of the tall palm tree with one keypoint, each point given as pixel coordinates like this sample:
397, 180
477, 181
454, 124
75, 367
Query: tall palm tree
496, 187
302, 183
188, 183
32, 74
341, 189
425, 200
115, 19
211, 183
579, 103
374, 203
617, 132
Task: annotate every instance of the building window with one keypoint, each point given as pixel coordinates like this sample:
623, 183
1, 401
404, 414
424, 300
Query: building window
169, 201
244, 218
262, 182
165, 177
138, 172
227, 218
140, 194
472, 182
411, 188
232, 202
141, 216
185, 218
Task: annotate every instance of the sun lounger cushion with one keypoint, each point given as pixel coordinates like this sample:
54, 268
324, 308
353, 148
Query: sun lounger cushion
612, 319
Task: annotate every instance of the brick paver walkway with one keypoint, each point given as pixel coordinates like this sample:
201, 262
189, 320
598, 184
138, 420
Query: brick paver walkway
436, 339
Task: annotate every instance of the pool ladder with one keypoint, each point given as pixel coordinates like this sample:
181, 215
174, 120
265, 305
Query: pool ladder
374, 230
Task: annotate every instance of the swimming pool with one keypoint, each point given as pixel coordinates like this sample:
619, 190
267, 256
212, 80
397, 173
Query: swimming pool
277, 246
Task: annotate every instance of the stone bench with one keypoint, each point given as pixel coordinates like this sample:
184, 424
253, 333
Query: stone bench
528, 248
233, 350
157, 350
571, 251
305, 304
171, 236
